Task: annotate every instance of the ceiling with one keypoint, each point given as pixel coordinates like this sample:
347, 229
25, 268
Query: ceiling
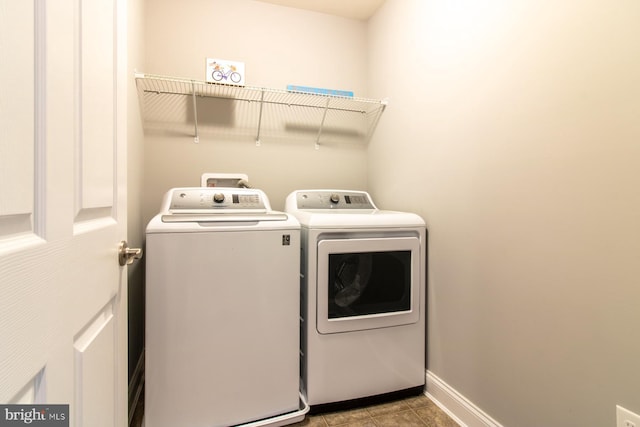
353, 9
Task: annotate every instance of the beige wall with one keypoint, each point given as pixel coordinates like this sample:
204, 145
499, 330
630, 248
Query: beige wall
279, 46
135, 159
514, 130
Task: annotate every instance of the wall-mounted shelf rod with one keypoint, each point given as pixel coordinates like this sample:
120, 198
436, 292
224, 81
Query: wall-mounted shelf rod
260, 119
196, 139
324, 116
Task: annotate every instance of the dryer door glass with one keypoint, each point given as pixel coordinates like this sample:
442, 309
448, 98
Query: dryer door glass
367, 283
364, 283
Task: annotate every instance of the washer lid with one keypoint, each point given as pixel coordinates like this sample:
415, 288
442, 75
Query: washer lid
225, 218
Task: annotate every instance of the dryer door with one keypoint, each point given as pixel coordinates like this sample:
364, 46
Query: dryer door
367, 283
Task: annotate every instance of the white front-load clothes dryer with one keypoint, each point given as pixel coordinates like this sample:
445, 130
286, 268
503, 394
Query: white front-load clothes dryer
222, 310
362, 297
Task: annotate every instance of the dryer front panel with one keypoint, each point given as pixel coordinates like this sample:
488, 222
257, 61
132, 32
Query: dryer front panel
367, 283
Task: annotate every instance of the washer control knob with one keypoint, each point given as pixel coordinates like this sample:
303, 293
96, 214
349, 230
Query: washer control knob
334, 198
218, 197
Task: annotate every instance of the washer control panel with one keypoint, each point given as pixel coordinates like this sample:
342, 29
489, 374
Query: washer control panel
201, 200
333, 199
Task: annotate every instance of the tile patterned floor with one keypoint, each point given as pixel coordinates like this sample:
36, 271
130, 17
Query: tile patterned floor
411, 412
417, 411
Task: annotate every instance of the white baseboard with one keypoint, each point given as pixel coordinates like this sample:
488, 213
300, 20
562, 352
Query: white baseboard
458, 407
135, 385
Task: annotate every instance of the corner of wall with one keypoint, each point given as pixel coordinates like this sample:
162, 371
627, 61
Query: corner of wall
458, 407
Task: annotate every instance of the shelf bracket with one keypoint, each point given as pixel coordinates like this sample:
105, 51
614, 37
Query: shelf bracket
260, 118
324, 116
196, 138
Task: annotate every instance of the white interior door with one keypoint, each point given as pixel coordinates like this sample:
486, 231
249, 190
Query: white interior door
63, 207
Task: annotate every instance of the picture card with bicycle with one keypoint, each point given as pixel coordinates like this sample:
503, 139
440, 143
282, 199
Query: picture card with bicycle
225, 72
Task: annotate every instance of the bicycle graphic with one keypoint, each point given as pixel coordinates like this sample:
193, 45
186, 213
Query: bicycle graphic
219, 74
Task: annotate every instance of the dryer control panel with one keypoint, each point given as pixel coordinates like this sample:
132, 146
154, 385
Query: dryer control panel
333, 199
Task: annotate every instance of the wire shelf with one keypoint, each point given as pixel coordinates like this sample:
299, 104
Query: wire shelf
183, 104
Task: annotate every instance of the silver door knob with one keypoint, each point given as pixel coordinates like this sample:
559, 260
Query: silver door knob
127, 255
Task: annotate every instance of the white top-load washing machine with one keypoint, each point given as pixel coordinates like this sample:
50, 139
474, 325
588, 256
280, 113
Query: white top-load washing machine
362, 297
222, 310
